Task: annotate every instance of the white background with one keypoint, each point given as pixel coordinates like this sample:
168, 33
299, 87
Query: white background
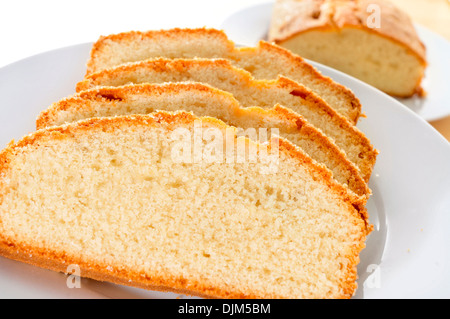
31, 27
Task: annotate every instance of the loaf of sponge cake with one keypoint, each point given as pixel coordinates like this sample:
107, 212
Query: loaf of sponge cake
369, 39
107, 195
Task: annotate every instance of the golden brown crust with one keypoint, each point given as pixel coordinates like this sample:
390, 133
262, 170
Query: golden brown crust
58, 261
108, 273
230, 51
328, 16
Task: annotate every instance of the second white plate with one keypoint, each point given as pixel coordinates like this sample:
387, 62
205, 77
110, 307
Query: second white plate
250, 25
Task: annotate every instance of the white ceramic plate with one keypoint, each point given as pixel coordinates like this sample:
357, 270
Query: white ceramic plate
407, 255
250, 25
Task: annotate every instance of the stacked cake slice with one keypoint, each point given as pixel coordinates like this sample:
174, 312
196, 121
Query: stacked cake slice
185, 164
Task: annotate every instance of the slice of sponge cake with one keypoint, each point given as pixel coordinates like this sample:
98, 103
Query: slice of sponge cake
221, 74
266, 61
106, 194
204, 100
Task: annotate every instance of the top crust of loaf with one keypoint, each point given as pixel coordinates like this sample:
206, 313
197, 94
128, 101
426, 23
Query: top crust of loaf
306, 15
224, 48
